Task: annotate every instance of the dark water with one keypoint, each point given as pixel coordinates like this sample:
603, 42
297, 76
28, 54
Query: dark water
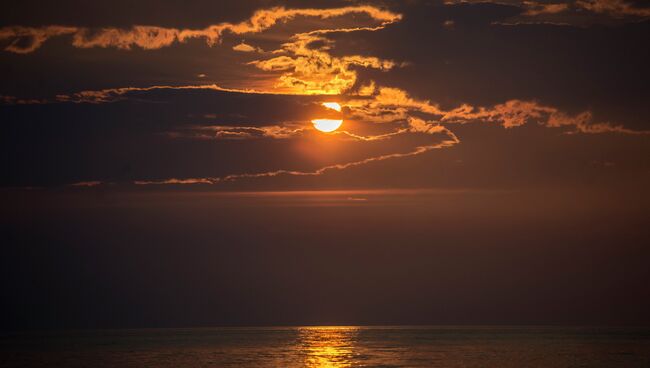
331, 347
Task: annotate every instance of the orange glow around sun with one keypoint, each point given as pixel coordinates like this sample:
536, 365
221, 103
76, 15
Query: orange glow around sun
328, 125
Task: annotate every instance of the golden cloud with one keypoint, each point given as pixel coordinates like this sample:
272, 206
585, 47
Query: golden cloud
244, 47
27, 39
316, 71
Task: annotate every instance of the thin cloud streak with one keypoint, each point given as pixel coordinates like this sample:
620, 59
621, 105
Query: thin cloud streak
87, 184
115, 94
578, 13
225, 132
452, 140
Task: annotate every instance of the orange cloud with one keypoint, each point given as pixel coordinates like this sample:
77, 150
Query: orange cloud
536, 8
27, 39
152, 37
145, 37
393, 104
389, 104
510, 114
244, 47
516, 113
616, 8
304, 70
316, 71
367, 90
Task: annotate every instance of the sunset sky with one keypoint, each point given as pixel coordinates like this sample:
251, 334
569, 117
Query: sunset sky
165, 164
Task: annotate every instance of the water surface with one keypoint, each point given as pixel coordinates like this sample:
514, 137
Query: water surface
331, 347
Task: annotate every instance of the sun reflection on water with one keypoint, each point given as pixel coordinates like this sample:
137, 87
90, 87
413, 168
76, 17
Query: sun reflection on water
328, 347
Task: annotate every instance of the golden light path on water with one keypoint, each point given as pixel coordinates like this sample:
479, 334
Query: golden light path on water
328, 347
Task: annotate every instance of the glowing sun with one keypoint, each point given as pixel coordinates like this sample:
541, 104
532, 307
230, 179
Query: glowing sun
332, 105
328, 125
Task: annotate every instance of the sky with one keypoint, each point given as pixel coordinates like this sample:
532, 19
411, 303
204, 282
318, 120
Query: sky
161, 166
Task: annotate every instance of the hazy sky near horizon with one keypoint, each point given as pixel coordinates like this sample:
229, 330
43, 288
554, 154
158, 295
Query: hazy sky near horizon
492, 165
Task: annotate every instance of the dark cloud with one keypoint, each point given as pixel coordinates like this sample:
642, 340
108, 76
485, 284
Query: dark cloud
580, 13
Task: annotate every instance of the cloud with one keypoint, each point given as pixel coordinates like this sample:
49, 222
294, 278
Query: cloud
385, 96
145, 37
450, 140
175, 181
377, 137
387, 105
449, 24
24, 40
417, 125
577, 13
582, 123
13, 100
304, 65
510, 114
304, 69
27, 39
244, 47
515, 113
535, 8
307, 70
615, 8
225, 132
392, 104
367, 90
116, 94
87, 184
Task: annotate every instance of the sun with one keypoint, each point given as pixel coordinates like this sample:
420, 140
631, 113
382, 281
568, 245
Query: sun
328, 125
332, 105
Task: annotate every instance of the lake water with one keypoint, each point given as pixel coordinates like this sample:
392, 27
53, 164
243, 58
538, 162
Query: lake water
331, 347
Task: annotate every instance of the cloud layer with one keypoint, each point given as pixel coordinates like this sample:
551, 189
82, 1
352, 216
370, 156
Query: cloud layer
309, 63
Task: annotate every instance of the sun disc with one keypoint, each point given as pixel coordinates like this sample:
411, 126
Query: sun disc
332, 105
327, 125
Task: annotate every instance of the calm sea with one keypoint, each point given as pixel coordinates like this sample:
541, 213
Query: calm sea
331, 347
